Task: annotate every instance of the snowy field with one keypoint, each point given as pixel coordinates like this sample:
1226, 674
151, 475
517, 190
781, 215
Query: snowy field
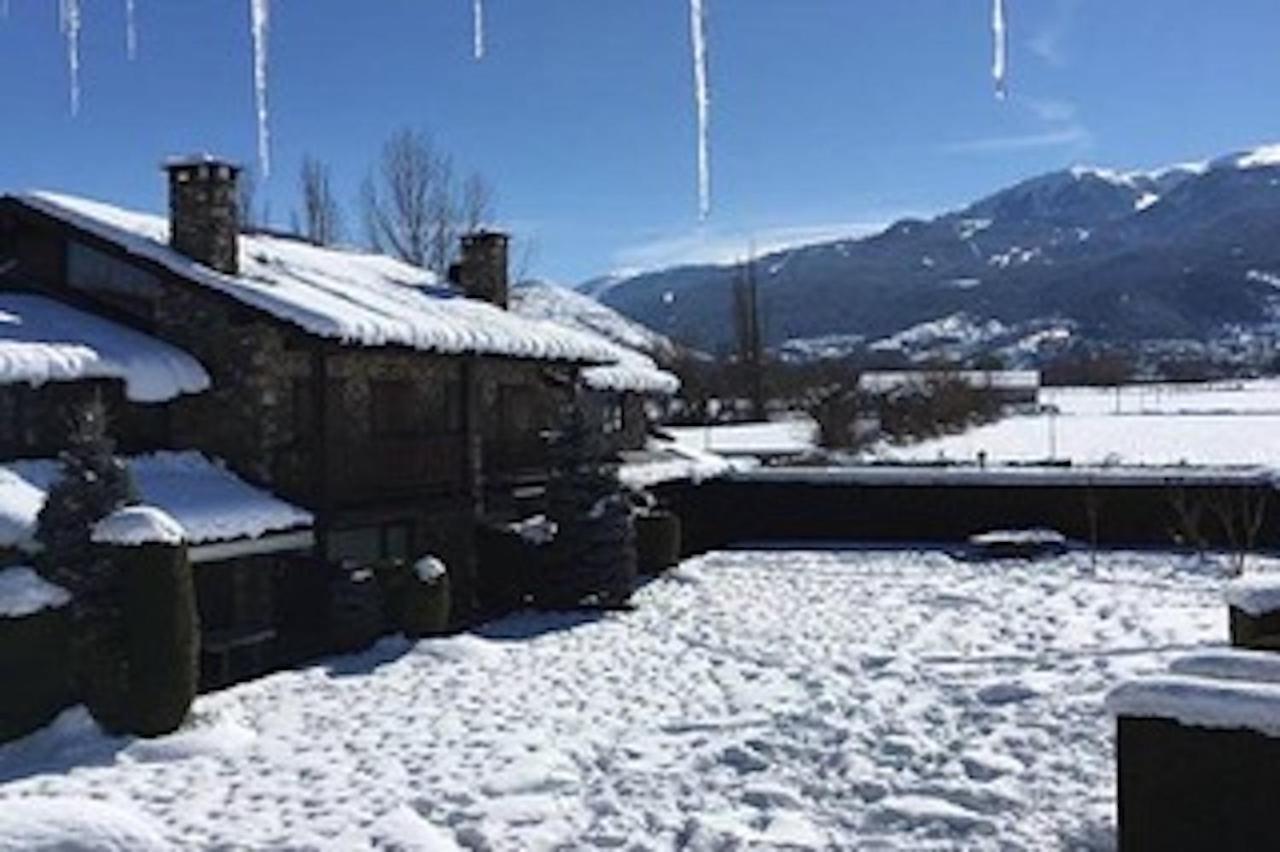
795, 436
1220, 423
892, 700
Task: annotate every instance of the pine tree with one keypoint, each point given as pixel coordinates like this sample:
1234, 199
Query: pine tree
593, 559
93, 484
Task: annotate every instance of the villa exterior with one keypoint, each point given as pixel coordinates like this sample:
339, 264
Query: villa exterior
393, 410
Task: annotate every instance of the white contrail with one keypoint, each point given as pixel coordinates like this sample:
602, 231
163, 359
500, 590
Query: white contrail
698, 33
478, 11
1000, 32
260, 16
131, 29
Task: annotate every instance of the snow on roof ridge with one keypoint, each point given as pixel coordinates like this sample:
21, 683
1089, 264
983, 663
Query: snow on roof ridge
357, 298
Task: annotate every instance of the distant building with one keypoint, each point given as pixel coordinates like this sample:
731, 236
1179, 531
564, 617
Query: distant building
1013, 387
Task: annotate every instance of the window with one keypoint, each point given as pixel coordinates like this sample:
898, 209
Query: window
391, 542
122, 284
394, 412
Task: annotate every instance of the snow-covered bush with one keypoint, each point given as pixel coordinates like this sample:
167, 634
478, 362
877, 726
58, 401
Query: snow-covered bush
657, 540
417, 598
356, 609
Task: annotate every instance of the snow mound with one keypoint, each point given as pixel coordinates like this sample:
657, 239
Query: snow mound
65, 824
1254, 666
134, 526
430, 569
23, 592
1255, 594
404, 830
42, 340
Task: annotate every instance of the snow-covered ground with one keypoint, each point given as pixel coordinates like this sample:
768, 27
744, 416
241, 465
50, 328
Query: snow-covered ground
895, 700
795, 436
1220, 423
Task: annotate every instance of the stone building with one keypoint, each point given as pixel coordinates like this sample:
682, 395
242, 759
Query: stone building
396, 410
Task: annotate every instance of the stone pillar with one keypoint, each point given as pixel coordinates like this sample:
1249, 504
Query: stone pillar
204, 211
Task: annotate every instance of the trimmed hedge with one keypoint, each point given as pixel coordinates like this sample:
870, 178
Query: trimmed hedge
413, 606
356, 617
657, 541
140, 677
35, 664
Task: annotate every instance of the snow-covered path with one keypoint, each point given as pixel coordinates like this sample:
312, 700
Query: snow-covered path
869, 700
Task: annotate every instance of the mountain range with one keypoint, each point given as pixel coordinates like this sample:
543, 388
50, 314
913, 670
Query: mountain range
1186, 253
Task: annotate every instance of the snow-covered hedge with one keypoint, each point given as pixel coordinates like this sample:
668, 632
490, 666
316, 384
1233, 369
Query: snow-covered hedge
35, 653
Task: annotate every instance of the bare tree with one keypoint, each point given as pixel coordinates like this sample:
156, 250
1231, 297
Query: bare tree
1241, 513
413, 206
247, 191
477, 202
321, 215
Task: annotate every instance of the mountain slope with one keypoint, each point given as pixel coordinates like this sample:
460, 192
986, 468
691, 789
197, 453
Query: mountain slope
1184, 252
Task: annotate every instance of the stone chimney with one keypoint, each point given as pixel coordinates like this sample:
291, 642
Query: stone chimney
204, 211
481, 272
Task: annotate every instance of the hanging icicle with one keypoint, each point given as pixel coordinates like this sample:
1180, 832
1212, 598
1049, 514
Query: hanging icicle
478, 11
260, 13
131, 29
702, 100
69, 22
1000, 32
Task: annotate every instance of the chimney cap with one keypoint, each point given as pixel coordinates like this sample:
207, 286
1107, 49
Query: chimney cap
173, 164
484, 234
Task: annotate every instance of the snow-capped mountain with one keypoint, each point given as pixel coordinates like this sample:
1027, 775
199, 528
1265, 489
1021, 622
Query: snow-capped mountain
1185, 252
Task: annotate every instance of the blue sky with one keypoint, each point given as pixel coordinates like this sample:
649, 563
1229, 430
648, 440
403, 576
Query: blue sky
829, 116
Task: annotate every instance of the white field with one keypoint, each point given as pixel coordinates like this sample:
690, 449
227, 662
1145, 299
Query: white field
1221, 423
795, 436
765, 700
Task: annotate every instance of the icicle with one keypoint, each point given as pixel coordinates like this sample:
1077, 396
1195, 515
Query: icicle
1000, 68
69, 22
131, 29
260, 13
698, 32
478, 9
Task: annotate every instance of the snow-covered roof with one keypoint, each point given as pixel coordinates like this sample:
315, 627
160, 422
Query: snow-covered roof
343, 294
42, 340
209, 502
631, 343
23, 592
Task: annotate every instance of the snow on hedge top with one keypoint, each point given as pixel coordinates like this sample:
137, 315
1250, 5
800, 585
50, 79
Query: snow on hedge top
209, 502
1200, 702
23, 592
1230, 664
1255, 594
134, 526
42, 340
359, 298
629, 342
